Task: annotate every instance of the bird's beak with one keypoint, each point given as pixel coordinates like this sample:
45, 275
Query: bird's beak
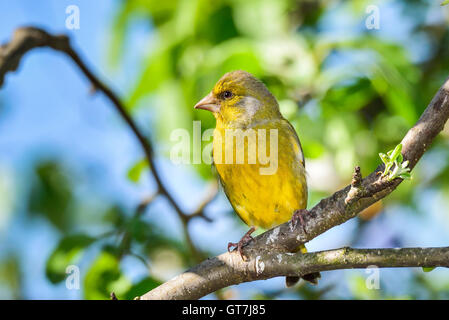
208, 103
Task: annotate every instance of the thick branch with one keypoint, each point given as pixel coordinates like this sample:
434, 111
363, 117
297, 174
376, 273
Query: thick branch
225, 272
329, 212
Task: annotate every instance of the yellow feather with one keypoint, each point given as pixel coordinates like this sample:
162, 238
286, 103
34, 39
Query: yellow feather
264, 200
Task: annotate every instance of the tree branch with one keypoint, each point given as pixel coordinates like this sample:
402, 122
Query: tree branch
226, 269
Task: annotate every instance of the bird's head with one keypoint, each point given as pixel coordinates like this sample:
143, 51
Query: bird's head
239, 99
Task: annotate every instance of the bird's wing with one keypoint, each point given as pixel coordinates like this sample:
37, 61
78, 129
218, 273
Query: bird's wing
288, 126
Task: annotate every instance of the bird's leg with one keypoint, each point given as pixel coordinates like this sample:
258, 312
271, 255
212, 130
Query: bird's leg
298, 216
243, 242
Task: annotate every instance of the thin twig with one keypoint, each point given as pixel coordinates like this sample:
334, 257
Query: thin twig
28, 38
211, 195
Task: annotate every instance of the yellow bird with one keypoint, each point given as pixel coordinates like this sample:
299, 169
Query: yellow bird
258, 156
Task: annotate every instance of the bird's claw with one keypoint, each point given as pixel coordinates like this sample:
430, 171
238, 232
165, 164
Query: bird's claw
298, 216
243, 242
232, 244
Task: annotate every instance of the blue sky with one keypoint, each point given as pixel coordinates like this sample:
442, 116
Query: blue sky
49, 111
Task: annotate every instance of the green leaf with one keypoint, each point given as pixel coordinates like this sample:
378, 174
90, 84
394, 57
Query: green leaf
313, 149
351, 95
104, 277
394, 159
135, 172
66, 253
404, 164
11, 278
445, 2
405, 175
358, 287
159, 63
115, 216
396, 152
51, 194
142, 287
428, 269
384, 158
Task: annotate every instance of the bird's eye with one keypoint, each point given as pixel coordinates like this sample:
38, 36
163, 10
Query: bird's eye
227, 94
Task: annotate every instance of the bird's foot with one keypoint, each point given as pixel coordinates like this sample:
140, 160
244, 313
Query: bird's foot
298, 216
243, 242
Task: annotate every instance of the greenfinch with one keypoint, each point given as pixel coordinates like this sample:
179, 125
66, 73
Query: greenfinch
264, 191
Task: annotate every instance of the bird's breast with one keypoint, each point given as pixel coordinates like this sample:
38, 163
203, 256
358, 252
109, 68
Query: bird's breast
269, 184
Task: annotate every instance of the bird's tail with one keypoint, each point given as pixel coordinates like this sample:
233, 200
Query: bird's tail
311, 277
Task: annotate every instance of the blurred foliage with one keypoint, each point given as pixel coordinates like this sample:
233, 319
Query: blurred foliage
51, 195
136, 170
350, 93
11, 277
104, 277
65, 254
349, 112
